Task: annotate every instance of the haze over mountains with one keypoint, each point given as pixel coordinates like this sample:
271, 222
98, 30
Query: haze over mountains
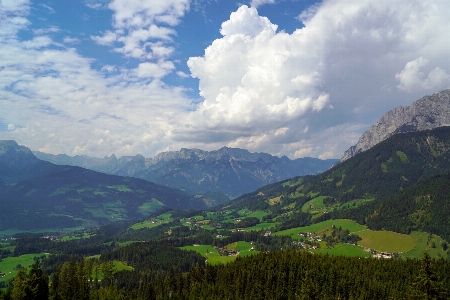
230, 171
38, 194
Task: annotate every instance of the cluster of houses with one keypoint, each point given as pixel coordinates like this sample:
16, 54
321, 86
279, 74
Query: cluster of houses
2, 274
377, 254
304, 245
311, 236
227, 252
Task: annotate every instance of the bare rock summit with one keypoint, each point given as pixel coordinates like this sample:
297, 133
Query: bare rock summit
426, 113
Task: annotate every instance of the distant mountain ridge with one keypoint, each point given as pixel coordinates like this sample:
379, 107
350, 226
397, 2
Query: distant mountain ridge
231, 171
429, 112
36, 194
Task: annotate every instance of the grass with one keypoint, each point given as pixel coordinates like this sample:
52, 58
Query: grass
150, 206
290, 183
275, 200
316, 202
258, 214
156, 221
121, 266
8, 265
213, 257
387, 241
424, 244
344, 249
322, 227
403, 157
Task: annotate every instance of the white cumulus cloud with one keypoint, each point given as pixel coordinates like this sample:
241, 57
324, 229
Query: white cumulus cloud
143, 29
412, 79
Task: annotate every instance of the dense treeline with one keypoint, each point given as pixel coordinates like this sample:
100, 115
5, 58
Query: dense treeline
388, 167
273, 275
301, 275
153, 256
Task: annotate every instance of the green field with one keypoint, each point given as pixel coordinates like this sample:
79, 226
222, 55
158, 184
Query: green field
8, 265
322, 227
153, 222
317, 203
387, 241
121, 266
344, 249
211, 254
424, 243
213, 257
258, 214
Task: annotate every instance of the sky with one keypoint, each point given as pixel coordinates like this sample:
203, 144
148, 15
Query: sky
299, 78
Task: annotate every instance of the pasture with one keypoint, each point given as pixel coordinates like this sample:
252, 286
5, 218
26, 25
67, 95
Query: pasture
9, 265
317, 203
213, 257
344, 249
322, 227
153, 222
386, 241
425, 243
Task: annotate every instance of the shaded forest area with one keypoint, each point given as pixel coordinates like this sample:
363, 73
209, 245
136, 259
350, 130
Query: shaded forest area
273, 275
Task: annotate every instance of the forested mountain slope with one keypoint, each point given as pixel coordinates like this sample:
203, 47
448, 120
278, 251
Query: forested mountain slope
388, 168
425, 206
37, 194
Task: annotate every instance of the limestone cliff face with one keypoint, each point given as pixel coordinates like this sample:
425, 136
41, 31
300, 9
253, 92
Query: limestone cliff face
426, 113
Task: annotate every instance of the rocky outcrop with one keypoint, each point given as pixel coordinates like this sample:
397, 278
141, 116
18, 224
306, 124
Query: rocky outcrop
426, 113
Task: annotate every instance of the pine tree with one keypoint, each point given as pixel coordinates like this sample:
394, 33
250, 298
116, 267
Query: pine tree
426, 284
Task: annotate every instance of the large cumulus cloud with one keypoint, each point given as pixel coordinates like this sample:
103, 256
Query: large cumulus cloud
352, 61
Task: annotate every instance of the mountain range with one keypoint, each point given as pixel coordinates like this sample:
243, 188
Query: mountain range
230, 171
415, 164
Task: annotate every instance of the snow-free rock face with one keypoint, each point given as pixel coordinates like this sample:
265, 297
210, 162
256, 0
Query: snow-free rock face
426, 113
230, 171
13, 155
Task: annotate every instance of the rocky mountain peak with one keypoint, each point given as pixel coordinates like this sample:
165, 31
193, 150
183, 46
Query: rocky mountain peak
14, 155
426, 113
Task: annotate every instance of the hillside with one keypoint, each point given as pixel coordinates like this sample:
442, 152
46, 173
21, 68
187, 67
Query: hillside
401, 185
230, 171
38, 194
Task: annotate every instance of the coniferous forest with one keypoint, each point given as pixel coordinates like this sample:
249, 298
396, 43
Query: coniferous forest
274, 275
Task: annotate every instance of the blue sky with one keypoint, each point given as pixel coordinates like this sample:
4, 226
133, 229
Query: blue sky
287, 77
